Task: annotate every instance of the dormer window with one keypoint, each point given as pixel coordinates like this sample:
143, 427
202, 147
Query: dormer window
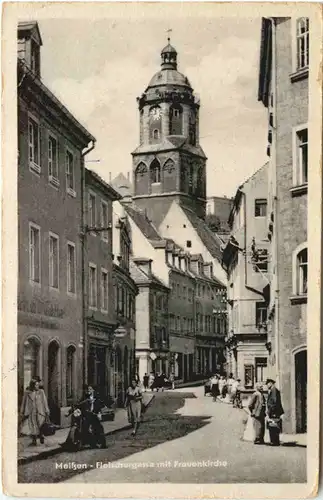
156, 133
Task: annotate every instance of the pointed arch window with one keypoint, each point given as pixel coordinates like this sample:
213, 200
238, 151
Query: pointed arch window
141, 169
169, 166
155, 172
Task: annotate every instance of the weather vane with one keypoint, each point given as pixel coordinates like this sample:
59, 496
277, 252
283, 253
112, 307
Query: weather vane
169, 31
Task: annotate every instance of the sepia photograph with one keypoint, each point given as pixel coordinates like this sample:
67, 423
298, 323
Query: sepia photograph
161, 234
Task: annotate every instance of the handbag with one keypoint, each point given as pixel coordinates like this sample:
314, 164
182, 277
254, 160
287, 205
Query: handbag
274, 423
48, 428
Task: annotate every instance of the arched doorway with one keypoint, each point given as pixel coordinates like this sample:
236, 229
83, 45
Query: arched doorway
31, 360
301, 390
54, 381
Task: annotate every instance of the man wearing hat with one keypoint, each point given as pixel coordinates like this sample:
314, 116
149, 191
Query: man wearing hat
274, 412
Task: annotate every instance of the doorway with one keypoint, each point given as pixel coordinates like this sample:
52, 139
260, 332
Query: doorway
301, 390
54, 382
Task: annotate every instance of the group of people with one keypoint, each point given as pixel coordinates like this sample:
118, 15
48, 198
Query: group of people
157, 381
270, 411
225, 388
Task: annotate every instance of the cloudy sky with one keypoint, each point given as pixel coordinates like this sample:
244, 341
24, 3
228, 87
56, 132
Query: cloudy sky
98, 69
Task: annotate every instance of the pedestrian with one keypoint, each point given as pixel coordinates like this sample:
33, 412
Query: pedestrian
230, 382
137, 379
133, 405
222, 386
145, 381
34, 409
274, 412
162, 381
236, 394
214, 381
257, 408
151, 381
172, 380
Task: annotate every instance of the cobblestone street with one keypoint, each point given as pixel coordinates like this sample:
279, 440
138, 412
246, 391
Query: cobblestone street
185, 437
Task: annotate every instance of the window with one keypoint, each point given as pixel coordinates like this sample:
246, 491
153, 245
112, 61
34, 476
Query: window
104, 290
302, 265
35, 58
92, 286
302, 43
34, 144
261, 369
300, 156
34, 253
53, 160
176, 113
260, 208
53, 260
188, 244
69, 165
70, 372
104, 220
71, 266
261, 260
155, 172
156, 133
261, 314
248, 376
92, 210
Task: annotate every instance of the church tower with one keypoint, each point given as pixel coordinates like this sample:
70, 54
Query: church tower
169, 163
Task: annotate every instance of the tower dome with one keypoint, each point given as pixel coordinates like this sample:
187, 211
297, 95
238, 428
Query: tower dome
168, 75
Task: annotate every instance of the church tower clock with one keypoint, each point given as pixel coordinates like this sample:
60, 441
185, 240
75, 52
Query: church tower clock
169, 163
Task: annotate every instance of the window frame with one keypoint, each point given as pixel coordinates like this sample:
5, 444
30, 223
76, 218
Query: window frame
70, 190
70, 292
104, 234
104, 309
54, 180
297, 71
92, 215
260, 306
95, 305
32, 225
259, 204
34, 166
302, 36
298, 179
54, 236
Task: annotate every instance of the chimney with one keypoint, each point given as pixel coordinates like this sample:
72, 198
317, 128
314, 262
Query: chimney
144, 264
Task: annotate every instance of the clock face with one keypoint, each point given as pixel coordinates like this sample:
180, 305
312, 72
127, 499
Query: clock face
155, 113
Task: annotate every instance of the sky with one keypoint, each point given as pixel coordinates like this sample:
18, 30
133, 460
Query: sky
97, 69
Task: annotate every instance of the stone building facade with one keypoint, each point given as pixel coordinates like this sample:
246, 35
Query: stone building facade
152, 319
247, 278
100, 317
125, 291
283, 89
51, 149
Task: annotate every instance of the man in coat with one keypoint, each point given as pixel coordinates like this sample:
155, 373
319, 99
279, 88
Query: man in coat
257, 408
274, 412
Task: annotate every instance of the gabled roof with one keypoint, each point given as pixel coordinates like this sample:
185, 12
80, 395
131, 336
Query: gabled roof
32, 28
204, 233
141, 278
92, 177
142, 221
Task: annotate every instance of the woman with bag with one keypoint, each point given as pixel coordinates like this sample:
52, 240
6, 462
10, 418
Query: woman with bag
34, 409
133, 405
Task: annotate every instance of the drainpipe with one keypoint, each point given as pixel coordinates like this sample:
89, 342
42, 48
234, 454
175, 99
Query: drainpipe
84, 267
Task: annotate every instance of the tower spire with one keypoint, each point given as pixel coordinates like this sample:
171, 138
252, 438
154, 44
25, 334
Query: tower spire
169, 54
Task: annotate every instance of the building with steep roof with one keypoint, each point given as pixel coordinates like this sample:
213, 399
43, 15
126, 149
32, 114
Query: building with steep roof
196, 303
52, 145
